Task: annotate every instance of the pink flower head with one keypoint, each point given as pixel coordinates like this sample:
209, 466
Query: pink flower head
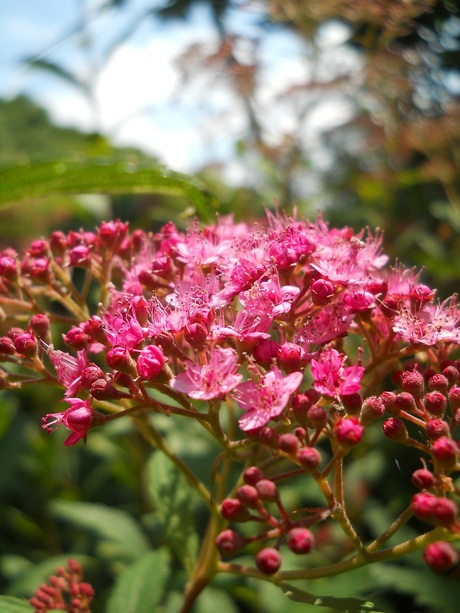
213, 380
78, 418
68, 369
332, 378
266, 398
150, 362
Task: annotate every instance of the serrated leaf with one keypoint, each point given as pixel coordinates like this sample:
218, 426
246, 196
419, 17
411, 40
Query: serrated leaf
10, 604
22, 183
345, 605
140, 587
112, 526
174, 505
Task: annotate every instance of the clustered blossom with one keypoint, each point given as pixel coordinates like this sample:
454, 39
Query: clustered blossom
64, 591
289, 328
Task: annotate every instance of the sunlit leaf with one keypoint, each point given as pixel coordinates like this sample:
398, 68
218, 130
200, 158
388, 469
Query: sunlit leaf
28, 182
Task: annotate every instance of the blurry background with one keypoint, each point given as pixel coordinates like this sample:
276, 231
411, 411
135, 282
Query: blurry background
350, 108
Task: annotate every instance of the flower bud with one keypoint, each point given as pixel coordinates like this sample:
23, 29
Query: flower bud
267, 490
438, 383
309, 457
437, 511
435, 428
76, 338
405, 402
80, 256
229, 542
322, 291
248, 495
300, 540
435, 403
252, 474
289, 357
25, 344
423, 479
348, 431
441, 556
454, 398
372, 409
268, 560
7, 346
119, 359
412, 383
395, 429
8, 268
352, 403
266, 351
234, 510
316, 417
452, 374
389, 403
40, 325
150, 362
268, 436
196, 334
445, 451
288, 443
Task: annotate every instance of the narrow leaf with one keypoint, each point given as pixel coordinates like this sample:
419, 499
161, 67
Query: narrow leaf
10, 604
56, 70
174, 505
113, 526
140, 587
22, 183
345, 605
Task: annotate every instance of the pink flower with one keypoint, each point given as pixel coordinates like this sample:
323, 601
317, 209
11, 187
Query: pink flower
330, 376
150, 362
213, 380
432, 325
265, 399
68, 369
78, 418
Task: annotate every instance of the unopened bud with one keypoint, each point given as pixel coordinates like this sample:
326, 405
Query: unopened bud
441, 556
395, 429
268, 560
348, 431
300, 540
229, 542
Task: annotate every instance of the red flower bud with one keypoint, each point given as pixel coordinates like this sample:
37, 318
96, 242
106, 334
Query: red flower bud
445, 451
395, 429
252, 475
229, 542
267, 490
150, 362
441, 556
423, 479
268, 560
300, 540
234, 510
248, 495
436, 428
348, 431
438, 511
372, 409
435, 403
309, 457
438, 383
412, 382
288, 443
322, 291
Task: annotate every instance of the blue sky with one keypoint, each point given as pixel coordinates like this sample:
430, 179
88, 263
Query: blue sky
137, 89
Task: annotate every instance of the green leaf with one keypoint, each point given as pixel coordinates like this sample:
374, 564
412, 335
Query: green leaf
140, 587
174, 506
10, 604
436, 592
22, 183
345, 605
112, 526
56, 70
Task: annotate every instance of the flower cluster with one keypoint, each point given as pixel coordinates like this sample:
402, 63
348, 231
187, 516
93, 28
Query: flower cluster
294, 327
64, 591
